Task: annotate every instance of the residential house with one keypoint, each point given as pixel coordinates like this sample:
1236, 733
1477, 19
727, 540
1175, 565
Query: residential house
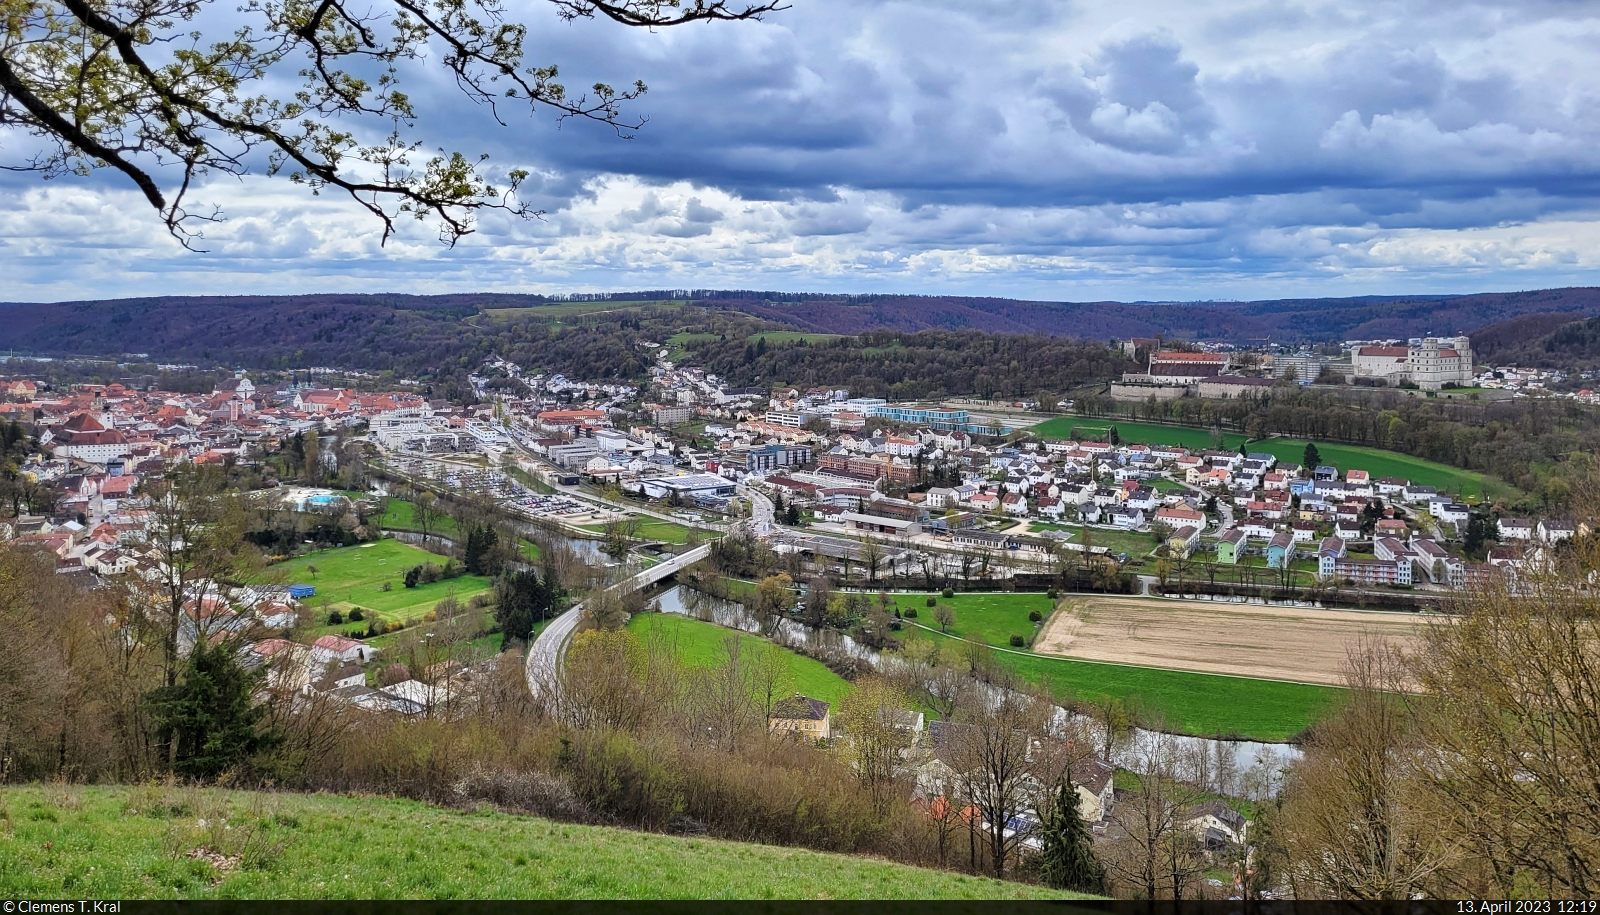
1451, 512
1280, 551
1437, 563
1096, 793
1179, 515
802, 716
1184, 540
1515, 529
331, 648
1257, 529
1553, 531
1217, 825
1130, 519
348, 675
1230, 546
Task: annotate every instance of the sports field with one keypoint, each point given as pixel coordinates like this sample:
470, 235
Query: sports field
1246, 640
352, 576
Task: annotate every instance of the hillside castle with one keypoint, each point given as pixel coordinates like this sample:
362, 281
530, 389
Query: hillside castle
1430, 366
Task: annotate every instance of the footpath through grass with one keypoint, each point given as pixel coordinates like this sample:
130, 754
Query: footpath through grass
353, 576
701, 644
993, 617
135, 843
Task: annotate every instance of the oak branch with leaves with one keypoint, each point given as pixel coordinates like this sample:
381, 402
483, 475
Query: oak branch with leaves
138, 86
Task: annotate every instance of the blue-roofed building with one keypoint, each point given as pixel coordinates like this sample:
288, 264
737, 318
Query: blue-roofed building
301, 592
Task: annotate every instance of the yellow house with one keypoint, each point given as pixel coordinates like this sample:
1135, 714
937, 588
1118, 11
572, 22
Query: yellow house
802, 716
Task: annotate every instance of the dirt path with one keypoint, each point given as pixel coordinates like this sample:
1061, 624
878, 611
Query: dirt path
1281, 643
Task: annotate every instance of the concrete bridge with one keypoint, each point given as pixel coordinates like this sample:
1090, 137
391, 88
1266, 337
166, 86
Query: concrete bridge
548, 650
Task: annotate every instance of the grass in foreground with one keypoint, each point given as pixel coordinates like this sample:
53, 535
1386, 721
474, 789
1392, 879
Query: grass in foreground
1206, 705
702, 644
119, 843
351, 577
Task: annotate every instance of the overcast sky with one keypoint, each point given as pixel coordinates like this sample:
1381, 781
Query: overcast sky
1135, 150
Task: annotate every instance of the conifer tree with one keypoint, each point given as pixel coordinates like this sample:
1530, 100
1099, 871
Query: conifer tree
1067, 860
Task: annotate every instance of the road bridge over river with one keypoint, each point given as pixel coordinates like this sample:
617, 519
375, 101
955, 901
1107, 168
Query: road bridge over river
547, 651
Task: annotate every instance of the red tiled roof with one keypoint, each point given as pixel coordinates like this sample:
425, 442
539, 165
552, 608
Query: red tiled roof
1187, 357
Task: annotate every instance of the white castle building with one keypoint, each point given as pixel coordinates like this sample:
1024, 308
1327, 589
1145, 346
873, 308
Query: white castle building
1430, 366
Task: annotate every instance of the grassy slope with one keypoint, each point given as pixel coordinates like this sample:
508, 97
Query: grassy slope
350, 577
1382, 463
703, 644
84, 843
1378, 462
790, 336
1192, 437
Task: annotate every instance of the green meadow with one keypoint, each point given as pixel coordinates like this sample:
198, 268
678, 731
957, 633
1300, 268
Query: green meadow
1192, 437
353, 576
1381, 463
701, 644
73, 842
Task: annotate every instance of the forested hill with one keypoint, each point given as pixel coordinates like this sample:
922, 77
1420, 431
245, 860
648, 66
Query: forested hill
286, 330
1565, 340
1277, 320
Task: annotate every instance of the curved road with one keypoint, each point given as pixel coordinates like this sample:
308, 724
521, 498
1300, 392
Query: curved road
544, 655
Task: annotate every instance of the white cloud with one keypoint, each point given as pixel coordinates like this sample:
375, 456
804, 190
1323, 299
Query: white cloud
1145, 149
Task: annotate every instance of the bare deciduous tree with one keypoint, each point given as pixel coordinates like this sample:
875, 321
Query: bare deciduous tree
875, 739
1356, 820
1005, 752
313, 88
1153, 853
1513, 738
